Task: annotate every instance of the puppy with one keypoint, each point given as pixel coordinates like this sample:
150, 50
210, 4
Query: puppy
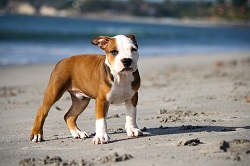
110, 79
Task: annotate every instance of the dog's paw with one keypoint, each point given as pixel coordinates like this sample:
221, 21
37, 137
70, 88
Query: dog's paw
79, 134
101, 139
133, 132
36, 137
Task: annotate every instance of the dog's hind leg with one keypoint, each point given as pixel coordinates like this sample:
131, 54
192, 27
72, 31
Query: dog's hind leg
52, 94
78, 106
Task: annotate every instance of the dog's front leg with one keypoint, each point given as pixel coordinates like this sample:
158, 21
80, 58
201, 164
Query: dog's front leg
101, 136
130, 125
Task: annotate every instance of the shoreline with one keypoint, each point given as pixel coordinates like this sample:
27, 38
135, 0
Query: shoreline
172, 56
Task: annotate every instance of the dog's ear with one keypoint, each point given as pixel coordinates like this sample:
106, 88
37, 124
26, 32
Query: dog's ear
101, 41
132, 37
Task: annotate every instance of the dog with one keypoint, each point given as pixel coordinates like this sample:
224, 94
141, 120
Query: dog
110, 79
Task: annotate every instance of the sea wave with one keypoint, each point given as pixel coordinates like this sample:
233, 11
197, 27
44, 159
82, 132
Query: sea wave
41, 28
24, 35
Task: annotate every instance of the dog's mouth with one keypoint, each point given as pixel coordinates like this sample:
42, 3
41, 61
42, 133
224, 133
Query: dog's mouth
127, 69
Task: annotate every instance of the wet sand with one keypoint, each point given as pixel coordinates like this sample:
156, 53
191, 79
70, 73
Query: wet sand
193, 110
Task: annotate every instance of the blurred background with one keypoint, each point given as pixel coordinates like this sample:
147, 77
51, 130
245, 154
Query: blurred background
45, 31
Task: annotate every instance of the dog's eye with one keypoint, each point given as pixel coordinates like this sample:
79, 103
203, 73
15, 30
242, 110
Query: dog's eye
133, 49
114, 52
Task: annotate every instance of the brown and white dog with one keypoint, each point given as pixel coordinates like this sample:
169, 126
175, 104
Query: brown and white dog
110, 79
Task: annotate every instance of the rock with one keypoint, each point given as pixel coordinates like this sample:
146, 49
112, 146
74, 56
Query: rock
191, 142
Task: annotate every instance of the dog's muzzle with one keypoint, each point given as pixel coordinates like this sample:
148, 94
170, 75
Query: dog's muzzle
127, 65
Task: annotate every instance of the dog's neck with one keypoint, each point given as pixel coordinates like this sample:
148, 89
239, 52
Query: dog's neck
122, 78
117, 78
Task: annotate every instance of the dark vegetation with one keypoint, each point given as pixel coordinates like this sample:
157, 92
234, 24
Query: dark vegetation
226, 9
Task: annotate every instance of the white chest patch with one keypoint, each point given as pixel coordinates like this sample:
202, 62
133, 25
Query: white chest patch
121, 91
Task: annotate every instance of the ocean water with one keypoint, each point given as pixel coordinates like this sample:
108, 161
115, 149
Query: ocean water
42, 40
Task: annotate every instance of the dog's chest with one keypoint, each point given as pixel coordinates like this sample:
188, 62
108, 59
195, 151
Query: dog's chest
120, 93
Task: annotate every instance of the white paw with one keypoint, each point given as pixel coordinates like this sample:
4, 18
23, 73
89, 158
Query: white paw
133, 132
101, 136
37, 138
79, 134
101, 139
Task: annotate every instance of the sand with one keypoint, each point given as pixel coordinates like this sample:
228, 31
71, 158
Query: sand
193, 110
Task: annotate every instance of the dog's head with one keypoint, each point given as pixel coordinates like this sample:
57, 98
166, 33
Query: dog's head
121, 52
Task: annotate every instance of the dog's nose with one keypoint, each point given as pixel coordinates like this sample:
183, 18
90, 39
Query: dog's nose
126, 62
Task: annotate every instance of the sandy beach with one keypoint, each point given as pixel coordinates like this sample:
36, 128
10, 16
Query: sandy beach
193, 110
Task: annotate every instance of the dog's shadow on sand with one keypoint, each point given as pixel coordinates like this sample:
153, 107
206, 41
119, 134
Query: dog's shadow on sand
189, 129
150, 132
